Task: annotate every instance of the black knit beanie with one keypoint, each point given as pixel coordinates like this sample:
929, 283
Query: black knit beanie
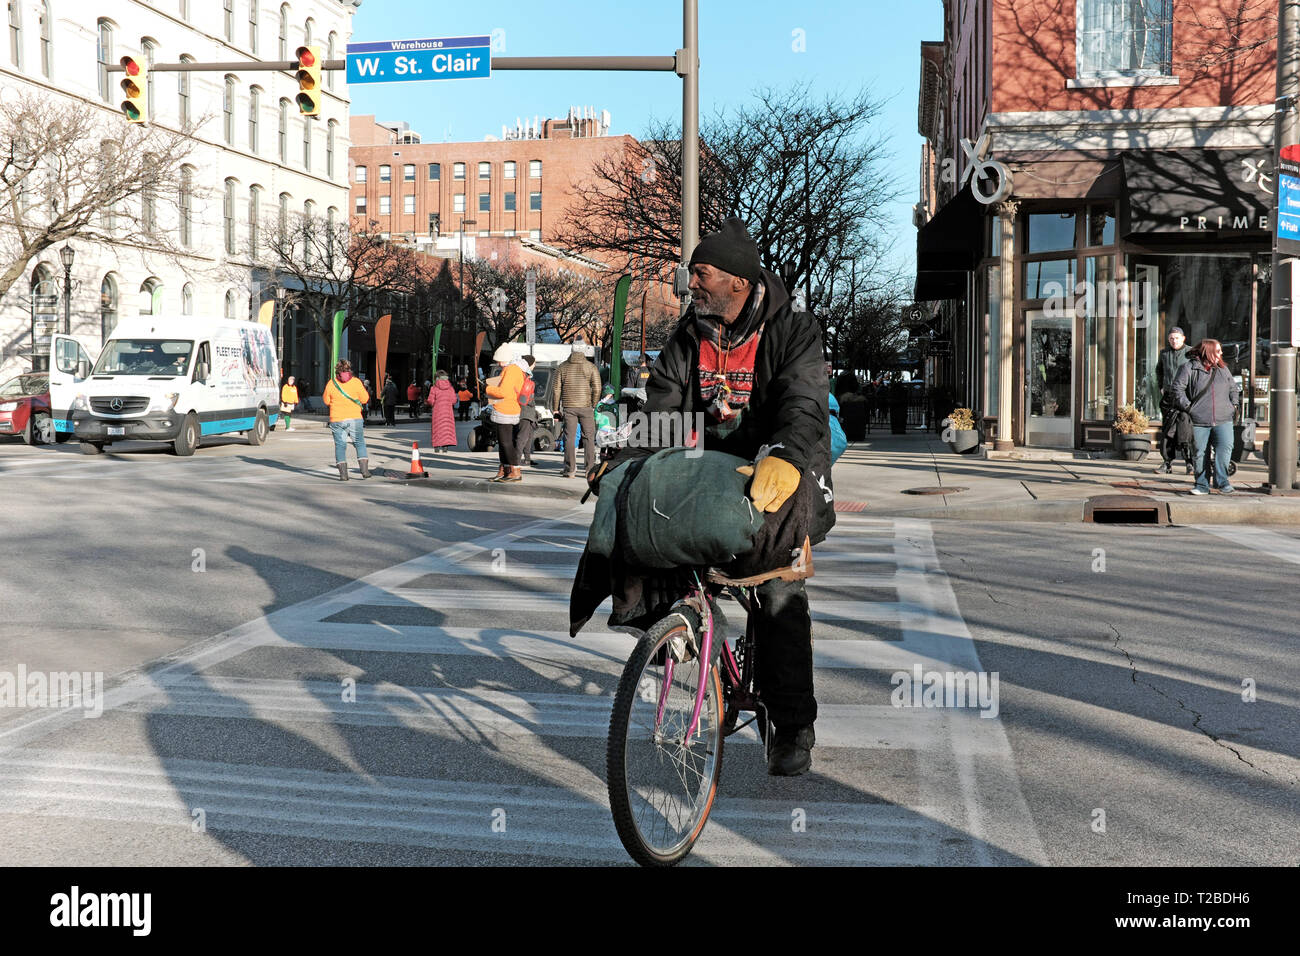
731, 250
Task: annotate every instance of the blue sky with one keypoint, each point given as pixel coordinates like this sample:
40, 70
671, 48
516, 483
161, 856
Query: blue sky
743, 44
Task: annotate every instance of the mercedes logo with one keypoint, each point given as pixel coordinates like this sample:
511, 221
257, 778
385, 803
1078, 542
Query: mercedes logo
115, 404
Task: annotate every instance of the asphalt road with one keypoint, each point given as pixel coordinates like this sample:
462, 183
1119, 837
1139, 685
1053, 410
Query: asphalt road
379, 672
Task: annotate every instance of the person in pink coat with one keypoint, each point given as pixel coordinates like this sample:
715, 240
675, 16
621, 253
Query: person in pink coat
442, 399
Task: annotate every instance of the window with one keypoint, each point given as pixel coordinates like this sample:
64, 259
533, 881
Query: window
229, 19
185, 9
108, 152
329, 148
385, 173
284, 31
484, 202
385, 205
535, 234
484, 170
408, 205
330, 54
434, 223
148, 48
408, 173
306, 32
228, 111
230, 303
308, 213
1124, 37
457, 170
187, 205
510, 202
254, 218
228, 215
47, 41
150, 296
16, 33
510, 170
509, 233
252, 25
107, 307
535, 202
254, 111
187, 299
306, 143
1049, 232
458, 202
104, 55
535, 169
435, 172
361, 205
284, 131
149, 200
361, 174
183, 92
331, 235
283, 222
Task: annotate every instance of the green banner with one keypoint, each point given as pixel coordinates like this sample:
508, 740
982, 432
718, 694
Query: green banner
340, 317
433, 359
616, 356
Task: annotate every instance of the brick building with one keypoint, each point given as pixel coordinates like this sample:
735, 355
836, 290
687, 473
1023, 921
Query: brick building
1095, 172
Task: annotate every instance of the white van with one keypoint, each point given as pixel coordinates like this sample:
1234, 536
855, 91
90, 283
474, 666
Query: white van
175, 380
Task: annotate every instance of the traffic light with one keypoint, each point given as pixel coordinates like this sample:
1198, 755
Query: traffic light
309, 80
134, 83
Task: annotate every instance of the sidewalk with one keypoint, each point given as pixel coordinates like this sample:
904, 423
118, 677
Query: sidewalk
873, 476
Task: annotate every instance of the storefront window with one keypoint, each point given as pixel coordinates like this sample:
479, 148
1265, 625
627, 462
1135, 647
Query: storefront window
1101, 226
1144, 296
991, 347
1099, 305
1049, 278
1049, 231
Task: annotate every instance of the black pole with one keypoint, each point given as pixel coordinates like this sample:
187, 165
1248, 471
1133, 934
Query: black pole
1282, 364
67, 300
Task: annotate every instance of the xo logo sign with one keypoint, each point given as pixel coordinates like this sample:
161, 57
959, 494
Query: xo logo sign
979, 170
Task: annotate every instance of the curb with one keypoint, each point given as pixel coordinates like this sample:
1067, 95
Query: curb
1071, 510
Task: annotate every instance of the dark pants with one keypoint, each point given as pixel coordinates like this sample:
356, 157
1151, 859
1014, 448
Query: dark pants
784, 654
524, 440
506, 444
572, 418
390, 414
415, 408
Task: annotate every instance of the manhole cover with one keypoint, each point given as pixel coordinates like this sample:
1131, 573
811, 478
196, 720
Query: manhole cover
933, 491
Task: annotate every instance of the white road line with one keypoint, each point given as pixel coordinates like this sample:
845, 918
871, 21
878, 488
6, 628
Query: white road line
1275, 545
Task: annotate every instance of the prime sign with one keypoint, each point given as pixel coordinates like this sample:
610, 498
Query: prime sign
446, 58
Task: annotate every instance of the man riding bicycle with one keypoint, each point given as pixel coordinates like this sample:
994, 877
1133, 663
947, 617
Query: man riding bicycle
755, 368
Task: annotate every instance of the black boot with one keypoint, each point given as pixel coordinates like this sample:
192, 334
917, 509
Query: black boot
365, 467
343, 470
791, 752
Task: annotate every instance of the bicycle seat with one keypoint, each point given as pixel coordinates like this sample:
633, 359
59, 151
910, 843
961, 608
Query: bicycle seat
801, 569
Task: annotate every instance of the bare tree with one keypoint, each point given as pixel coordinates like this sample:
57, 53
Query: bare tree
575, 301
631, 206
67, 172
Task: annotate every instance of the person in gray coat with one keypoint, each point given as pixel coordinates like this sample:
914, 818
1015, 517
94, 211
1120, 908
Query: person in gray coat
1205, 388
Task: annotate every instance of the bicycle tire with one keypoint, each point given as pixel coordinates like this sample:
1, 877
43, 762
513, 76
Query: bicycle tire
639, 802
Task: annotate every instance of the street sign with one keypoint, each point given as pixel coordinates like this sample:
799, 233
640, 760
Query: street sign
942, 347
1288, 200
446, 58
530, 305
45, 304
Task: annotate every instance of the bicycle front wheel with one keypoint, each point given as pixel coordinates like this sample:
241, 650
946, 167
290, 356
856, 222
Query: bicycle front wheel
662, 780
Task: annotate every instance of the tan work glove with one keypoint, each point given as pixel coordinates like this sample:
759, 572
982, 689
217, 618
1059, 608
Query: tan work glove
774, 481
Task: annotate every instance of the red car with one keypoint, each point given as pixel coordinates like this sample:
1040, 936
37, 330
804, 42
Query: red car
25, 409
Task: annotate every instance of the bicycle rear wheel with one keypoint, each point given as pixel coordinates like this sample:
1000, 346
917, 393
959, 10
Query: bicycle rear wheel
662, 785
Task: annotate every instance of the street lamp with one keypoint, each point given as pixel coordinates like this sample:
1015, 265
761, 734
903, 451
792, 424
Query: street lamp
279, 300
66, 255
807, 224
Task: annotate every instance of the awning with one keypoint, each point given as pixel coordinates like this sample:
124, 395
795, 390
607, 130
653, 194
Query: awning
947, 247
1209, 193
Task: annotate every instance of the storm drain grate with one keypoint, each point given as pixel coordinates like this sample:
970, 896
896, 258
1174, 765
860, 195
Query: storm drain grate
1125, 509
936, 490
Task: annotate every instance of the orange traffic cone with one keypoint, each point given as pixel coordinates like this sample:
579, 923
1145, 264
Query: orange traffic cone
417, 469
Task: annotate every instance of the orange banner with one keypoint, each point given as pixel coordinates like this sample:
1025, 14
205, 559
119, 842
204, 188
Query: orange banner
381, 350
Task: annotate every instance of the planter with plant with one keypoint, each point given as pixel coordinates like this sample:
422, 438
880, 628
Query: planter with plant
959, 431
1131, 433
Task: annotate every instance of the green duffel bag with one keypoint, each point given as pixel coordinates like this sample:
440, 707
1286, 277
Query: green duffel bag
684, 510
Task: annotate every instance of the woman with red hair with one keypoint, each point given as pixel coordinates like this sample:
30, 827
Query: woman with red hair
1206, 390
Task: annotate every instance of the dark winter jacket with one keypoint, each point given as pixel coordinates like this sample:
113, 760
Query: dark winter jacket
1220, 401
1168, 365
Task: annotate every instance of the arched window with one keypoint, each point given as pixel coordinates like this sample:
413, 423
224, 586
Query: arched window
187, 299
104, 55
149, 199
306, 143
148, 48
252, 25
228, 111
282, 238
284, 131
254, 217
309, 209
228, 20
230, 303
329, 148
254, 112
107, 307
16, 33
182, 91
150, 296
47, 40
331, 235
306, 32
284, 31
331, 53
187, 205
228, 215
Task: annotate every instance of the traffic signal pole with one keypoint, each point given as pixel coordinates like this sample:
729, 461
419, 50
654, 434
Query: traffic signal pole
1282, 353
